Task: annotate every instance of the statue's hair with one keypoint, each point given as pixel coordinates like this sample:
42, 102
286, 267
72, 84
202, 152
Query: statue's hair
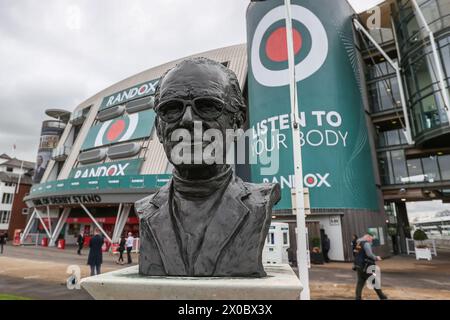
235, 96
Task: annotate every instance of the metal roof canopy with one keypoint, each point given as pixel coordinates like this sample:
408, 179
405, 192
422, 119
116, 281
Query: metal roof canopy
59, 114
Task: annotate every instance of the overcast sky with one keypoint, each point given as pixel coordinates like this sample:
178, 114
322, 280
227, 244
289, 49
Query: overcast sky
56, 54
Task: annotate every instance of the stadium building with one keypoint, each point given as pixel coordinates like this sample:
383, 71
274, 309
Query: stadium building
375, 97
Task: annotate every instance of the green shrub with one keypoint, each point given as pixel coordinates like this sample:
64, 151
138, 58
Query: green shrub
316, 242
392, 231
420, 235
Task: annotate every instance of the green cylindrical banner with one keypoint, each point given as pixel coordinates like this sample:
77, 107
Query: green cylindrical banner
337, 162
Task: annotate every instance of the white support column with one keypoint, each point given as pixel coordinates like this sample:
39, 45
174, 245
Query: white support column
437, 59
43, 224
95, 222
121, 222
27, 229
119, 213
59, 225
408, 133
49, 221
298, 203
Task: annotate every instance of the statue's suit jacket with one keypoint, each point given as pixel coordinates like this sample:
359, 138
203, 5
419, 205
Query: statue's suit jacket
233, 241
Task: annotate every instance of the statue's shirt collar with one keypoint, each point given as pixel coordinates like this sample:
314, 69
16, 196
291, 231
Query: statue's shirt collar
201, 188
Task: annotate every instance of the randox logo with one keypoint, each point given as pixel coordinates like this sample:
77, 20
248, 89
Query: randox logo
117, 130
142, 90
269, 54
310, 180
114, 170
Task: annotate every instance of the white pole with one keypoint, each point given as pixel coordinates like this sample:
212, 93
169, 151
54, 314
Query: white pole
299, 202
96, 223
20, 177
49, 221
119, 213
43, 224
27, 229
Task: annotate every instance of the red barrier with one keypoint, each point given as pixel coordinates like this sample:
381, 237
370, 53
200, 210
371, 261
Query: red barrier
61, 244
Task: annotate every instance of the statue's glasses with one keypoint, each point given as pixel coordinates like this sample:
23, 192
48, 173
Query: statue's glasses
207, 108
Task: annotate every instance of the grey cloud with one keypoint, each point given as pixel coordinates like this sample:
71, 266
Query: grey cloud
50, 57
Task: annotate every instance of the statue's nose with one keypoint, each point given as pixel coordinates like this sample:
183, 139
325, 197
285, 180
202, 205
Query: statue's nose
187, 116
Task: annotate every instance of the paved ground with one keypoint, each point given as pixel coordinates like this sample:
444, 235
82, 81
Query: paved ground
402, 277
41, 273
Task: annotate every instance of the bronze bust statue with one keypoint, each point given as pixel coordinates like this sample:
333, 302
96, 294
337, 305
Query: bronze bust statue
205, 222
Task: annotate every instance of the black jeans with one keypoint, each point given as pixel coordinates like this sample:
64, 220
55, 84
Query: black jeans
80, 246
1, 248
121, 255
95, 269
325, 256
129, 254
362, 278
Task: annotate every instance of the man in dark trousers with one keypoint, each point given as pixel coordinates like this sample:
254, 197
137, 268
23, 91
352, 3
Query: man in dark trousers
80, 242
364, 259
95, 258
3, 237
325, 247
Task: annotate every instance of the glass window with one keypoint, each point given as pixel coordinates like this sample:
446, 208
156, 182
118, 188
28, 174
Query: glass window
373, 98
271, 238
431, 169
386, 172
393, 138
5, 216
7, 198
285, 238
399, 166
444, 165
414, 168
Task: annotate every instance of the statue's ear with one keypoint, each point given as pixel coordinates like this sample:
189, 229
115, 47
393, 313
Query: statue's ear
241, 117
159, 130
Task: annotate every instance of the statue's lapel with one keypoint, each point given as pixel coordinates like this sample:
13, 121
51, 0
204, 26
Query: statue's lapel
226, 221
162, 229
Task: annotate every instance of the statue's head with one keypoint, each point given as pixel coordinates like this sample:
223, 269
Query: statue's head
198, 93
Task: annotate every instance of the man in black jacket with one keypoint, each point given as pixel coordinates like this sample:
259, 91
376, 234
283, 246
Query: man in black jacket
3, 237
95, 258
364, 259
80, 241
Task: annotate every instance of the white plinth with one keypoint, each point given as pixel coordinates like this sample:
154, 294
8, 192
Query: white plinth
281, 283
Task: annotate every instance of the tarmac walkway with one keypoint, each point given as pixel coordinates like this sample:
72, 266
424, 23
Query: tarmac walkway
41, 273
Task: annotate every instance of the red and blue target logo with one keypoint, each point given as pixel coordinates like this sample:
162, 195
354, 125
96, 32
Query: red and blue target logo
269, 56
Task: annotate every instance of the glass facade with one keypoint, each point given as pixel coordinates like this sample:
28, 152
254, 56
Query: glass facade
427, 107
395, 169
383, 87
381, 35
391, 138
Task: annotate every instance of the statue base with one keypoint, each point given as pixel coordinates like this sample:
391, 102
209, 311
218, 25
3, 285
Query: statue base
281, 283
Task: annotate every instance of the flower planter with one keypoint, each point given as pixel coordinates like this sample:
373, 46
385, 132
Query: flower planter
423, 253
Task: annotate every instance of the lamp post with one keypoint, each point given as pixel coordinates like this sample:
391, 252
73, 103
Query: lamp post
298, 199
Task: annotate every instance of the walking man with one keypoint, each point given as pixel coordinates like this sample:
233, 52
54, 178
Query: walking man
326, 247
121, 249
80, 241
95, 258
130, 241
364, 259
3, 237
